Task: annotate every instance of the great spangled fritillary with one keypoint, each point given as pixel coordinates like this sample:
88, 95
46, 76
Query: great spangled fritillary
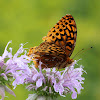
58, 45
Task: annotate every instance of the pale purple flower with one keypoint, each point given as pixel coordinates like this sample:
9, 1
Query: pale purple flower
12, 68
52, 81
34, 77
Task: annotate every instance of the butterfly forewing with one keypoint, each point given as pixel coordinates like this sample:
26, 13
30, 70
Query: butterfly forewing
63, 34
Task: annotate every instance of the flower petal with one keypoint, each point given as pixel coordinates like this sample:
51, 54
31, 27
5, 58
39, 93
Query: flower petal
39, 82
74, 95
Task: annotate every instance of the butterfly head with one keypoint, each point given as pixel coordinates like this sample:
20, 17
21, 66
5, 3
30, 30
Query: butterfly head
69, 61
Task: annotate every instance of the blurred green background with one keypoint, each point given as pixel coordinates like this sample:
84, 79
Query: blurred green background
29, 20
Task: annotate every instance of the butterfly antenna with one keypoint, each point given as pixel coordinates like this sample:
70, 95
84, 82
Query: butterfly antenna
81, 51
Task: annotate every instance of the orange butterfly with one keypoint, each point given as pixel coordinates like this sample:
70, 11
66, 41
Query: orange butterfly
58, 45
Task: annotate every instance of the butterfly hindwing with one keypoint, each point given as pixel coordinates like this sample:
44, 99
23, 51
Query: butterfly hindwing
48, 53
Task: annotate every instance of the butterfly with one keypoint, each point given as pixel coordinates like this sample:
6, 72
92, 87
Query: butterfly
57, 46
